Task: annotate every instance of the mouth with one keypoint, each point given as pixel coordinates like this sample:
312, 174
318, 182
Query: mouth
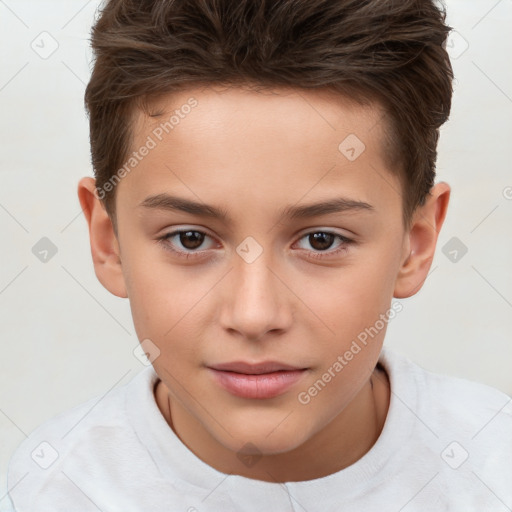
257, 381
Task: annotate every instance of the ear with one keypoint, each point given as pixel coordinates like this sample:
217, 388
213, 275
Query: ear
105, 248
421, 241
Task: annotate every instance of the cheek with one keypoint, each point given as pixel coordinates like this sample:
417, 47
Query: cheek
351, 303
168, 306
158, 296
358, 295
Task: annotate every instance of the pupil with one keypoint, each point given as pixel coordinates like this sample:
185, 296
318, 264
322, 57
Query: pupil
325, 240
187, 236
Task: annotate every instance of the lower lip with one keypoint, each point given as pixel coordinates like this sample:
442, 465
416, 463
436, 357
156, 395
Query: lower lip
265, 385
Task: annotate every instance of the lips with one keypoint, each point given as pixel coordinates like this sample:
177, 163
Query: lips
262, 380
254, 368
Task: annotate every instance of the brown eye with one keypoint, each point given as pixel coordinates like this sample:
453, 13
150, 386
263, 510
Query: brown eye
191, 239
321, 240
185, 242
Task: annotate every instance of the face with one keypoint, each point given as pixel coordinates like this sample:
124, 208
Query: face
240, 266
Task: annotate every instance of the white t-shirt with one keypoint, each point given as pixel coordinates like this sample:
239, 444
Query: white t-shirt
446, 445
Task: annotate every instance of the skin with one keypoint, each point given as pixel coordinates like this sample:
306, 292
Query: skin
252, 154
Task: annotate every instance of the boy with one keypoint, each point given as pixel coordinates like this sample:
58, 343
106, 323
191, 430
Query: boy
293, 144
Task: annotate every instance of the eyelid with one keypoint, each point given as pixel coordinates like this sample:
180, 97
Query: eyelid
176, 231
334, 231
345, 242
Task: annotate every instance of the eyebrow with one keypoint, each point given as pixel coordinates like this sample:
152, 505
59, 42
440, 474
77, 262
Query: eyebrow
173, 203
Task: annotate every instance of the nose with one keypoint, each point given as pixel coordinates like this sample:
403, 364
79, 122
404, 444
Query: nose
256, 299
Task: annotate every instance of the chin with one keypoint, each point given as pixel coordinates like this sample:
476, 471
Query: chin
262, 441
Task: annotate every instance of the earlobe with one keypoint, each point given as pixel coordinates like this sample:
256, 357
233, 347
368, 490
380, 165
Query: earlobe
421, 242
105, 248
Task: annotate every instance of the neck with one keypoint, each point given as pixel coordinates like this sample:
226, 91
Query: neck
341, 443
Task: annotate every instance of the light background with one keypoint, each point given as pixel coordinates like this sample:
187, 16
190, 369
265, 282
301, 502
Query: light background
65, 339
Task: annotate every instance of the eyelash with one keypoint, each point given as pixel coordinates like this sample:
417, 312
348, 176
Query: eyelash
164, 240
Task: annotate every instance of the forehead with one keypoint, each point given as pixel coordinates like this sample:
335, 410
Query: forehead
263, 111
271, 145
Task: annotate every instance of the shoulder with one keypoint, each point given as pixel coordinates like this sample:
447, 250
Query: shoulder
447, 399
461, 429
85, 436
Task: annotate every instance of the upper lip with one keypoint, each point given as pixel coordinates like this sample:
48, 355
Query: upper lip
254, 368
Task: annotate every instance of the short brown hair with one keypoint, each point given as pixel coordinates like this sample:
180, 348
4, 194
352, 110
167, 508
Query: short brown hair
388, 51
